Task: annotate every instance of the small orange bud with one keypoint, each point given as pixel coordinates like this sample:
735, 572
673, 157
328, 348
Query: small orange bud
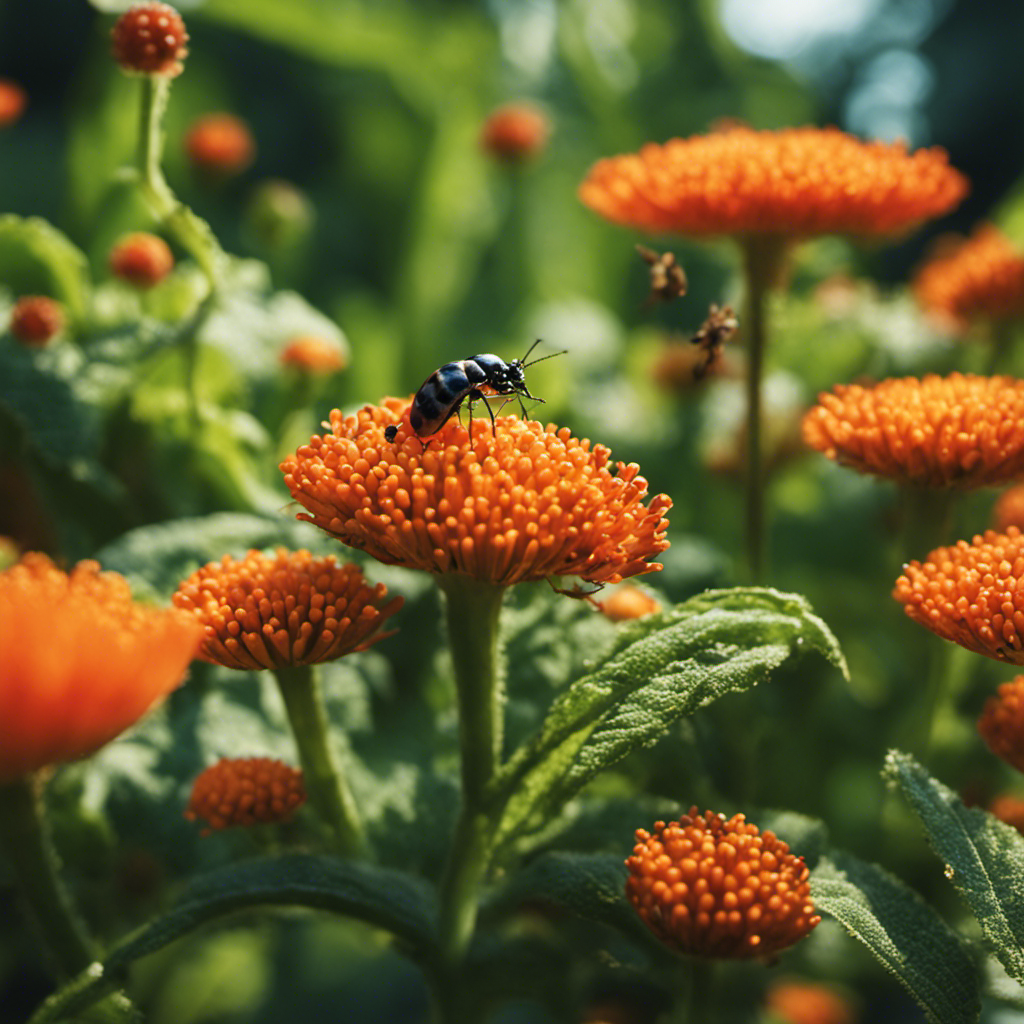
141, 259
12, 102
629, 602
220, 143
515, 132
1009, 808
1001, 724
150, 38
799, 1002
245, 791
36, 319
313, 355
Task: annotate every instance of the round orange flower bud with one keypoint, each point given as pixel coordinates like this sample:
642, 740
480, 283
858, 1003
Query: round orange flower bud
220, 143
141, 259
313, 355
960, 431
12, 102
978, 277
798, 1002
1001, 724
628, 602
289, 608
515, 132
522, 503
150, 38
36, 320
246, 791
1009, 509
709, 886
972, 594
796, 182
80, 661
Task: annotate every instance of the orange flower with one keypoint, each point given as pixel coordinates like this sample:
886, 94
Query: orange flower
12, 102
799, 1002
220, 143
959, 431
980, 276
715, 887
80, 661
795, 182
141, 259
311, 354
972, 594
36, 320
150, 38
1009, 808
515, 132
629, 602
1009, 509
1001, 724
526, 503
246, 791
289, 608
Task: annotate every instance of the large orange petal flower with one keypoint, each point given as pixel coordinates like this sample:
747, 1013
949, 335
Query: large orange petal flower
796, 182
960, 431
978, 277
80, 661
524, 503
285, 609
972, 594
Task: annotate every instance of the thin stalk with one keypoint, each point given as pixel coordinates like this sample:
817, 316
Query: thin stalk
1001, 346
328, 790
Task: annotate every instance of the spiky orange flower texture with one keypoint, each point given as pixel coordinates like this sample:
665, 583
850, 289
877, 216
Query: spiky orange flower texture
289, 608
961, 431
80, 661
971, 593
150, 38
245, 791
981, 277
1001, 724
524, 502
795, 182
709, 886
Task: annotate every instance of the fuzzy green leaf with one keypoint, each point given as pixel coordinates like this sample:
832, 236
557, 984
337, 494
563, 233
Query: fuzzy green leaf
903, 933
36, 257
984, 858
659, 669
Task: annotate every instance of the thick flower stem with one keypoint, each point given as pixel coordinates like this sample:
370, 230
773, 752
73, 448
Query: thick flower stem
328, 791
25, 839
471, 611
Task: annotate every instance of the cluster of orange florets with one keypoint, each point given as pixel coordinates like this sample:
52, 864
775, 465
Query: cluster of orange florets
959, 431
150, 38
1001, 724
246, 791
715, 887
971, 593
794, 182
524, 502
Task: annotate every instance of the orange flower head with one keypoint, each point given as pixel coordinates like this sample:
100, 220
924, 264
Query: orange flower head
1009, 808
246, 791
12, 102
1001, 724
629, 602
80, 661
522, 503
149, 38
515, 132
960, 431
220, 144
796, 182
972, 594
800, 1002
36, 320
311, 354
289, 608
714, 887
981, 277
1009, 509
141, 259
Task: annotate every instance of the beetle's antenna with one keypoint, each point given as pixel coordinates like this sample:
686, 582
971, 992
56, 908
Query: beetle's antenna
529, 350
564, 351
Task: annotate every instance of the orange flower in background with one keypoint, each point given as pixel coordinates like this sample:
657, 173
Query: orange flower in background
289, 608
1009, 808
80, 661
795, 182
959, 431
36, 320
246, 791
972, 594
220, 143
1009, 509
1001, 724
12, 102
150, 38
515, 132
628, 602
311, 354
714, 887
141, 259
526, 503
800, 1002
977, 277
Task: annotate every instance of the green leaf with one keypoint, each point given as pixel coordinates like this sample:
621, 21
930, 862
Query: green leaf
984, 857
903, 933
658, 670
36, 257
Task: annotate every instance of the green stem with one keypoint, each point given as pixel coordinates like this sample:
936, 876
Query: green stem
326, 785
927, 520
472, 611
1001, 346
